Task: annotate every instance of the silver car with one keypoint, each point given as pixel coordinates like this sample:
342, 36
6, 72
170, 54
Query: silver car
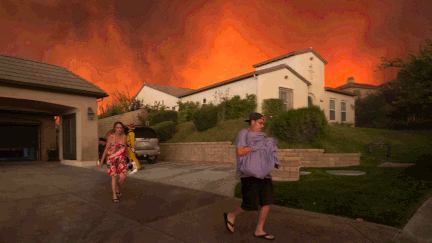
146, 144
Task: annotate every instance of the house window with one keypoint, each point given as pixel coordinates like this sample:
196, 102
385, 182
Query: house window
332, 110
204, 100
343, 111
173, 108
287, 96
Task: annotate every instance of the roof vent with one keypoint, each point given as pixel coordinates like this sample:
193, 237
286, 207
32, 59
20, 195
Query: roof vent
350, 80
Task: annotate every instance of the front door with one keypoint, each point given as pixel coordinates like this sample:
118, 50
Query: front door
69, 137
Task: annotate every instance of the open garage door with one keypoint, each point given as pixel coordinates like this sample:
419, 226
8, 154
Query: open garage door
19, 142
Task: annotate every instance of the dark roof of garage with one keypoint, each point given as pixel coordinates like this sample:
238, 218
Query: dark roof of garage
32, 74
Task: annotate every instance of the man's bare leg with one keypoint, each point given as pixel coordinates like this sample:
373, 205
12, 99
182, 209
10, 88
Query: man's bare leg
261, 219
232, 216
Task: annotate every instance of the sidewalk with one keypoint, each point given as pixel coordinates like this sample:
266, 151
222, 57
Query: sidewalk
50, 202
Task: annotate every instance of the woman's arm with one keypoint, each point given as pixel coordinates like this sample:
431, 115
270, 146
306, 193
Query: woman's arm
107, 147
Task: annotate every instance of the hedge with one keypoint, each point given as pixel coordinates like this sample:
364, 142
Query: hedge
272, 107
165, 130
300, 125
156, 117
206, 117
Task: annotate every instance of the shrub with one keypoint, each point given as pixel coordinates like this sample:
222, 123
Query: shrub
111, 110
373, 111
136, 104
182, 117
121, 103
165, 130
187, 110
235, 107
156, 117
206, 117
300, 125
272, 107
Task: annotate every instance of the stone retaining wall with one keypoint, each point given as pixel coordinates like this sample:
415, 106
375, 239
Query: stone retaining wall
317, 157
223, 153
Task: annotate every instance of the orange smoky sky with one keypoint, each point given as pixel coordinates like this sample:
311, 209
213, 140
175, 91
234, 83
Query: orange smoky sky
119, 45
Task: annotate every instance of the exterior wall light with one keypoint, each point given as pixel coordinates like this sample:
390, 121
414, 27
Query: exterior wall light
90, 114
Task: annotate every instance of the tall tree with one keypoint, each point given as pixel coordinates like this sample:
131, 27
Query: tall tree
413, 84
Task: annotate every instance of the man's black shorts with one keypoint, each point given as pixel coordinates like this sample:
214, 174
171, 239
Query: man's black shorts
256, 192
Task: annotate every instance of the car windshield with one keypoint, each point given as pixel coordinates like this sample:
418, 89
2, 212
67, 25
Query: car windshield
144, 132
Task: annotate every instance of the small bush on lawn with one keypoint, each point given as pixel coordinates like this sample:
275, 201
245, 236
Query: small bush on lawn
300, 125
165, 130
162, 116
206, 117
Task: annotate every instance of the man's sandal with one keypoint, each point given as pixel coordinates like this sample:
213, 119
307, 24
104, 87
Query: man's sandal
119, 194
228, 222
264, 237
116, 200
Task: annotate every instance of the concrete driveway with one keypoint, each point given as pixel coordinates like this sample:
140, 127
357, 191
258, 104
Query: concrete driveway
218, 179
51, 202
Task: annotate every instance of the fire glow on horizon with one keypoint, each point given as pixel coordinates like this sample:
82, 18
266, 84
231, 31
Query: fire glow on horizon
119, 45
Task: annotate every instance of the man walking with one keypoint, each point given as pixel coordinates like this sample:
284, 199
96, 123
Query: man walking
255, 192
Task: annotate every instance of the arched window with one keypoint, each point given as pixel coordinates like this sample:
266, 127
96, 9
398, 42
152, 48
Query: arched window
310, 101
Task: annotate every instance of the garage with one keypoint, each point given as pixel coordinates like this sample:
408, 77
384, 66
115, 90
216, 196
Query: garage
47, 113
20, 142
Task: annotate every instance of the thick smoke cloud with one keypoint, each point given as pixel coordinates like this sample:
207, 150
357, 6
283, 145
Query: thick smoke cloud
119, 45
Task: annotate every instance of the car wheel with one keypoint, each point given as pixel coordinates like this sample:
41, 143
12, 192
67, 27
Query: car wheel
141, 159
152, 160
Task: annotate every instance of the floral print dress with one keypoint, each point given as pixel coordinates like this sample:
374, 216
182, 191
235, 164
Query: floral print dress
116, 160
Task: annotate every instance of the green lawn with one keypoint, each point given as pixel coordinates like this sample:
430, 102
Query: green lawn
388, 196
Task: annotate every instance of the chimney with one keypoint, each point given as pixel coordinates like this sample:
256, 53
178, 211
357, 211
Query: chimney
350, 80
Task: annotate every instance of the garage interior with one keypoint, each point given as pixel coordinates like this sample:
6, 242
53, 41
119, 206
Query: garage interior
28, 129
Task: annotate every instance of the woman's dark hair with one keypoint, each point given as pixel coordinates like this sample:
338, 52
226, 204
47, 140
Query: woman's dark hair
115, 124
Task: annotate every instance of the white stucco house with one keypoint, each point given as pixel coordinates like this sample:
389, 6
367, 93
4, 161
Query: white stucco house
162, 94
297, 78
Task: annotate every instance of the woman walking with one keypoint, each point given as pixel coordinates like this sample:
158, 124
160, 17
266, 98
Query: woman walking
116, 154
